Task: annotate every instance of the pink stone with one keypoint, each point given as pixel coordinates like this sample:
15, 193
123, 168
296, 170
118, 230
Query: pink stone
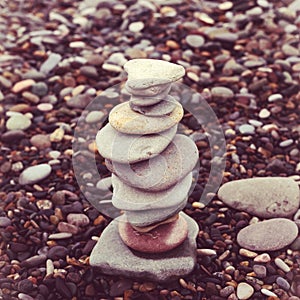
161, 239
22, 85
66, 227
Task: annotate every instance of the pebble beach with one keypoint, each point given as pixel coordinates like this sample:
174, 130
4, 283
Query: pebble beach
57, 57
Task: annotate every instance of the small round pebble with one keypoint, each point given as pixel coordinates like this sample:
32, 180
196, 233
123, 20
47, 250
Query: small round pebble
247, 129
18, 122
136, 26
195, 40
34, 174
264, 113
244, 291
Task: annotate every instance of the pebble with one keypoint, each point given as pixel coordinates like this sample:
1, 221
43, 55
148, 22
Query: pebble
57, 252
283, 283
50, 63
34, 174
20, 86
41, 141
31, 97
4, 222
68, 228
226, 291
282, 265
123, 148
268, 293
289, 50
194, 40
94, 116
222, 92
286, 143
269, 235
244, 290
275, 97
260, 271
18, 122
23, 296
264, 113
60, 236
45, 107
89, 71
161, 239
34, 261
263, 258
123, 119
247, 129
78, 219
136, 26
272, 196
40, 89
12, 136
247, 253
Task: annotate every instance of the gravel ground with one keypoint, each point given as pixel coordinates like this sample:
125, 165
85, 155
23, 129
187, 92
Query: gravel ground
57, 56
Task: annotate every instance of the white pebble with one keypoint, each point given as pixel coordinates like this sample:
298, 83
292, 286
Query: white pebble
206, 252
275, 97
282, 265
136, 26
268, 293
264, 113
286, 143
49, 267
263, 258
244, 290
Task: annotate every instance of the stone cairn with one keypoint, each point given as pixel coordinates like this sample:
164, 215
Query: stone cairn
152, 175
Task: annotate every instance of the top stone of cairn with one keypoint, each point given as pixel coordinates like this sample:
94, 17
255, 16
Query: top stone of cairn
145, 73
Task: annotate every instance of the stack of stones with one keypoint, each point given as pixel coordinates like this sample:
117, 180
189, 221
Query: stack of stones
152, 176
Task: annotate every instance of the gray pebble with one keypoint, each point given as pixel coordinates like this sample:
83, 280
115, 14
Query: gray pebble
260, 271
40, 89
247, 129
18, 122
34, 174
283, 283
50, 63
195, 40
4, 222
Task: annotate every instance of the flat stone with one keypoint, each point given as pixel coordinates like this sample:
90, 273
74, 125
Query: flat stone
79, 220
244, 290
125, 148
18, 122
260, 271
140, 87
50, 63
56, 252
22, 85
152, 69
4, 222
127, 198
269, 235
66, 227
79, 101
267, 197
41, 141
149, 100
12, 136
222, 92
34, 174
195, 40
247, 129
125, 120
111, 256
60, 236
162, 108
163, 171
161, 239
143, 218
94, 116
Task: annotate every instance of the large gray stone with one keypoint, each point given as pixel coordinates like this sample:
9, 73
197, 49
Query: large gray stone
269, 235
126, 197
129, 148
149, 217
162, 108
125, 120
267, 197
111, 256
162, 171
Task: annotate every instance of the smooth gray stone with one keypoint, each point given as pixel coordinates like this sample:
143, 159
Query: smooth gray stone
162, 108
129, 148
266, 197
111, 256
269, 235
151, 216
135, 87
147, 101
34, 174
153, 69
163, 171
126, 197
125, 120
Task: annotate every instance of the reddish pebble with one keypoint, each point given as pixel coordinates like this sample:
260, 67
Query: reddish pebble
161, 239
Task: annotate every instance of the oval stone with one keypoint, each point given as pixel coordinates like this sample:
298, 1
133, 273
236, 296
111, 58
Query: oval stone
162, 108
18, 122
163, 171
266, 197
269, 235
34, 174
147, 101
126, 197
125, 148
161, 239
125, 120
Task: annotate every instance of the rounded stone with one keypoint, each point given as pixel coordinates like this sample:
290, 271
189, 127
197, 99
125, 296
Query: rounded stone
162, 108
125, 120
147, 87
272, 196
136, 26
126, 197
34, 174
163, 171
269, 235
244, 290
148, 100
41, 141
18, 122
195, 40
222, 92
94, 116
151, 69
247, 129
161, 239
125, 148
4, 222
78, 219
